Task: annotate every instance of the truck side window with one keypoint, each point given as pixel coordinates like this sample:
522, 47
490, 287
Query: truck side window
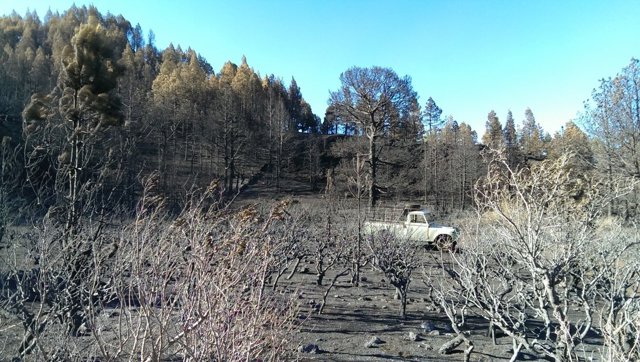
417, 219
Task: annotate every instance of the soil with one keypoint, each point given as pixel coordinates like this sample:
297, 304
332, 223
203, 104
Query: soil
353, 316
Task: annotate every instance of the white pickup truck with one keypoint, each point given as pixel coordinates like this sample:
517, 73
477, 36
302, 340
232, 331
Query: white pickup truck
417, 228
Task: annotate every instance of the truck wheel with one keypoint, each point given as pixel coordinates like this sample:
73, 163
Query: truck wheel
445, 243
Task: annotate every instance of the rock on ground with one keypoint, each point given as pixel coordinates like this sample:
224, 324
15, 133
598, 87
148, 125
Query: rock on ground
309, 348
374, 341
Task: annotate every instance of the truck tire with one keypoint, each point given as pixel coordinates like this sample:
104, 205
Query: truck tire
445, 243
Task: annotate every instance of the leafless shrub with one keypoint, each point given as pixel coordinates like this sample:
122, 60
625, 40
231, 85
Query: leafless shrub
51, 288
618, 313
397, 258
289, 243
200, 287
9, 183
328, 238
535, 266
189, 287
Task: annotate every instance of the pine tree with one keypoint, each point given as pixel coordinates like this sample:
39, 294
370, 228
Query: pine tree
511, 141
277, 121
433, 121
228, 122
468, 164
295, 107
134, 88
87, 103
449, 172
249, 92
432, 115
612, 118
492, 137
85, 108
531, 138
371, 97
572, 140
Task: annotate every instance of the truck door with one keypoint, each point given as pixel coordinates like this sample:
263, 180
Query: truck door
419, 226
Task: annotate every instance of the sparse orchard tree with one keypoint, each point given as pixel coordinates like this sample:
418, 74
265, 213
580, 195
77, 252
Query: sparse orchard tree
396, 258
352, 177
327, 244
619, 314
330, 238
357, 182
287, 248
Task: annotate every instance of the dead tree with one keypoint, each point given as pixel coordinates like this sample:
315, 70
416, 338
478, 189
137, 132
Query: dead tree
396, 258
536, 253
327, 241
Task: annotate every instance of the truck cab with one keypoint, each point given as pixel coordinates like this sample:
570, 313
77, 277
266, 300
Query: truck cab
417, 217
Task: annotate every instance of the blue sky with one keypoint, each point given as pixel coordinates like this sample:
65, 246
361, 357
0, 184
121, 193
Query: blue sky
470, 56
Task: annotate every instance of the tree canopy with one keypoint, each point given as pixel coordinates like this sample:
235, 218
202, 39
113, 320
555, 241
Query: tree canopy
169, 112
